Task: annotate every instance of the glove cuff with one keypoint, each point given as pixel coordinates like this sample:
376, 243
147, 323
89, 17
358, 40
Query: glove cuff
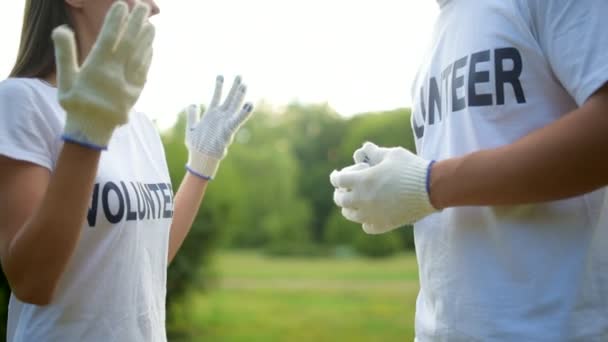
202, 165
87, 133
414, 181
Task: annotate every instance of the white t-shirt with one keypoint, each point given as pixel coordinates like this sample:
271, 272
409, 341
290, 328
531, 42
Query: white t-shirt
115, 284
496, 71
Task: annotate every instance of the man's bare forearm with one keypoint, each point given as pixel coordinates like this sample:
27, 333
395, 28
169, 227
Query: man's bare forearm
564, 159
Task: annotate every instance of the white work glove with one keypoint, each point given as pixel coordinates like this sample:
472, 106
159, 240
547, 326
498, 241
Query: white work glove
99, 95
385, 189
208, 138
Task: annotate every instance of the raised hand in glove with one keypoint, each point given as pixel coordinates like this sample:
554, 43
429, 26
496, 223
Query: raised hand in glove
99, 95
208, 137
385, 189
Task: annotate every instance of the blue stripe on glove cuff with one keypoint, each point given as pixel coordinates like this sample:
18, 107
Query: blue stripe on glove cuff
198, 174
83, 144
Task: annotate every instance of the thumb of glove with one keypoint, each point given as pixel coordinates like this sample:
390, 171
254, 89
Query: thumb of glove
370, 154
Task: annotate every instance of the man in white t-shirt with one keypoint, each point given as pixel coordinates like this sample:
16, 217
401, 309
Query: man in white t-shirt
510, 223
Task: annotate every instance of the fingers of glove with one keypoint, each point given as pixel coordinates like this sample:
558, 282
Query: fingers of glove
192, 113
349, 176
140, 72
375, 228
370, 153
241, 117
131, 38
237, 100
111, 29
346, 199
65, 57
352, 215
217, 93
371, 228
235, 86
144, 40
356, 167
142, 58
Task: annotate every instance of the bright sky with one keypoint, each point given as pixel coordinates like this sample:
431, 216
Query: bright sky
357, 55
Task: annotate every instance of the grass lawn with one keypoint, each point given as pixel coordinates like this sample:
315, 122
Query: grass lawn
267, 299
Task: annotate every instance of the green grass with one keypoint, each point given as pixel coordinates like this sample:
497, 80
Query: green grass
268, 299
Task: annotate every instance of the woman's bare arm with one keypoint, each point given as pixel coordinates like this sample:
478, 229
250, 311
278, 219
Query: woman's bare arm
41, 217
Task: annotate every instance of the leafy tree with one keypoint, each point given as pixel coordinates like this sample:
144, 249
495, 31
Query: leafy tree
257, 187
339, 231
315, 133
187, 268
377, 246
386, 129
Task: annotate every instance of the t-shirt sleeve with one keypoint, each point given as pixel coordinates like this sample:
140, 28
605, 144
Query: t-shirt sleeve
25, 132
573, 35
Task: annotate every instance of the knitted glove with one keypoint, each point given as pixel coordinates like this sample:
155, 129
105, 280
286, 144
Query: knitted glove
208, 137
385, 189
99, 95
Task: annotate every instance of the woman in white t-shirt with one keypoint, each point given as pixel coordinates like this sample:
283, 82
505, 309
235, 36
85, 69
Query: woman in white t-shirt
511, 222
88, 221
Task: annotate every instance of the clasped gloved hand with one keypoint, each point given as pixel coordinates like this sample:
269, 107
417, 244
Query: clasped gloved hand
386, 188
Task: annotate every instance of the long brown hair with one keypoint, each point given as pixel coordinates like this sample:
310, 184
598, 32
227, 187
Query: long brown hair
36, 57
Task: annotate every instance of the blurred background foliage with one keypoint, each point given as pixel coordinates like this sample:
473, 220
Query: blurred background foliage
272, 194
271, 208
